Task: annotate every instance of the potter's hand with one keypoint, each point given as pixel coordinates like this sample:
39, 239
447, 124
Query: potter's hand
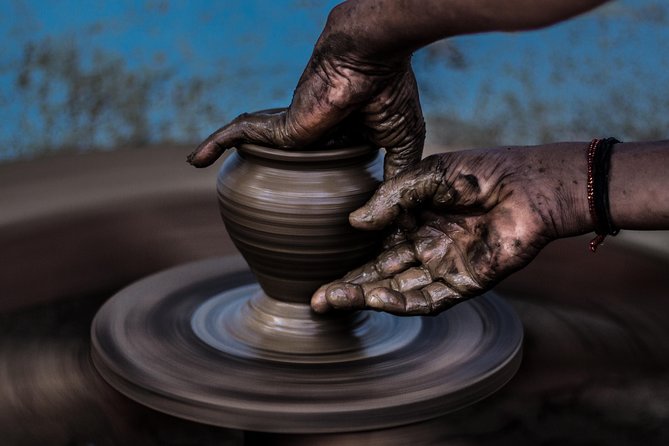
340, 82
360, 68
476, 218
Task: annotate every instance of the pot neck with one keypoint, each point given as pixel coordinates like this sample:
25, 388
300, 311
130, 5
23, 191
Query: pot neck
342, 155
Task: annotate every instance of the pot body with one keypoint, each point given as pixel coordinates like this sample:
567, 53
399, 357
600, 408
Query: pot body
287, 212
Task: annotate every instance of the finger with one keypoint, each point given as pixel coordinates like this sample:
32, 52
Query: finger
363, 274
318, 301
432, 299
259, 128
348, 293
409, 279
352, 296
441, 297
344, 295
402, 304
412, 279
399, 195
310, 116
395, 122
387, 264
386, 295
348, 296
395, 260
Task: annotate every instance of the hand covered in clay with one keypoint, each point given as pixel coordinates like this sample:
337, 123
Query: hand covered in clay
360, 72
376, 96
466, 220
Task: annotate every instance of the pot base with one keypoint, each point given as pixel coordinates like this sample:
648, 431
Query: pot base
202, 342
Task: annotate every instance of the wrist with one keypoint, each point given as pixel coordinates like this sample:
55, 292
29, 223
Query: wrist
557, 174
366, 41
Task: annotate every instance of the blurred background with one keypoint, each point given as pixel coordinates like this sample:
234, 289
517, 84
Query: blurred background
101, 102
77, 75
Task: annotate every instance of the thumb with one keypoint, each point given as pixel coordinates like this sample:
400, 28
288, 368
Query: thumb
404, 192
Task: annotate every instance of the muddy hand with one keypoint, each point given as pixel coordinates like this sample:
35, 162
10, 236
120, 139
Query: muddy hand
480, 216
338, 84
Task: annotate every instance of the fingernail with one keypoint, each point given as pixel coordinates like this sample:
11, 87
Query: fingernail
318, 301
338, 297
345, 296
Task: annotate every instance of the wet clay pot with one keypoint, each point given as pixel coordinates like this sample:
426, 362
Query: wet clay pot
287, 212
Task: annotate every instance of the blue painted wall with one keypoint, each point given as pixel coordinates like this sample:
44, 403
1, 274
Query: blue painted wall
78, 74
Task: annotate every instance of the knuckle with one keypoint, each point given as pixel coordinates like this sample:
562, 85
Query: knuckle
440, 297
415, 303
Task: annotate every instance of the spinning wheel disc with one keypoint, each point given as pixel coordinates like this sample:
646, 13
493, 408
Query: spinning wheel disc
185, 342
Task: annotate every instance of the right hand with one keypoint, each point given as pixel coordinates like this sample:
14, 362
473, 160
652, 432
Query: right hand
342, 82
469, 220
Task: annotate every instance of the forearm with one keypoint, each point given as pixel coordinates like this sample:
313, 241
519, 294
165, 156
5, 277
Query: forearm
389, 28
639, 185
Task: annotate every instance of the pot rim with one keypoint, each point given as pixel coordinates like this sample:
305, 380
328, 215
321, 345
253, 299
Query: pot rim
307, 155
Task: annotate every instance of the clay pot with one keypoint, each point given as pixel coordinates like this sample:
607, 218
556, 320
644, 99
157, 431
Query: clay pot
287, 212
204, 342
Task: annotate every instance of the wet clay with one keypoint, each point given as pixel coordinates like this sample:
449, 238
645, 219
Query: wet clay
287, 212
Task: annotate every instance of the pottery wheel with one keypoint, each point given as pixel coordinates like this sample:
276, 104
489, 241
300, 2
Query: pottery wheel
201, 341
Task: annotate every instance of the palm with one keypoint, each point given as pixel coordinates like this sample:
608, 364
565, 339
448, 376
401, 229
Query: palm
446, 260
469, 235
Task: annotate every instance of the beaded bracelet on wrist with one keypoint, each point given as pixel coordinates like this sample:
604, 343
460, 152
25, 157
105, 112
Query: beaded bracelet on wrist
599, 162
